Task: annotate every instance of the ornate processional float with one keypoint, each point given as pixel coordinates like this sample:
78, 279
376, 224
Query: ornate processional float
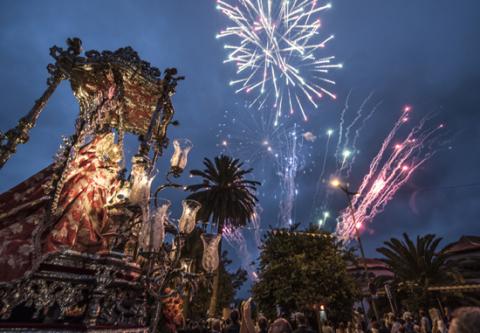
83, 243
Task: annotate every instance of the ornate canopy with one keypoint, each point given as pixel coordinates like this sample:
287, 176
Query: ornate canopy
138, 85
114, 89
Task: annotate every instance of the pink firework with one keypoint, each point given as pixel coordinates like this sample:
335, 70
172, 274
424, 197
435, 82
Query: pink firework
390, 169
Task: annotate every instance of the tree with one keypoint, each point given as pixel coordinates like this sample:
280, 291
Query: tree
417, 266
227, 198
298, 270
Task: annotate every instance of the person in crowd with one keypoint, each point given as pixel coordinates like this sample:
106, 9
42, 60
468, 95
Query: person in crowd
280, 325
234, 326
195, 327
302, 324
389, 319
341, 328
438, 325
375, 327
448, 314
327, 327
465, 320
358, 328
416, 328
383, 327
350, 327
247, 325
226, 323
262, 325
408, 322
205, 327
216, 326
425, 326
442, 327
396, 325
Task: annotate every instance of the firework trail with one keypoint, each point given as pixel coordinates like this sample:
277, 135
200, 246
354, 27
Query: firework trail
325, 155
320, 180
357, 135
287, 174
289, 164
345, 151
346, 158
358, 116
256, 224
276, 46
389, 170
346, 106
236, 239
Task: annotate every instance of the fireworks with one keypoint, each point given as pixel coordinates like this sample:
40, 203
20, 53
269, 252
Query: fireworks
251, 136
346, 149
344, 152
288, 166
235, 237
389, 170
276, 46
276, 152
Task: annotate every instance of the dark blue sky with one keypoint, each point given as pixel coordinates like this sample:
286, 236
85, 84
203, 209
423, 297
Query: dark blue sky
420, 52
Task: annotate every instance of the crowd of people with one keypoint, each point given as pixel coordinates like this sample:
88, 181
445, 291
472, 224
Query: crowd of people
463, 320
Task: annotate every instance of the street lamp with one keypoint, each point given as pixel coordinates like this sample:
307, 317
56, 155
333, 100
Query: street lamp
344, 187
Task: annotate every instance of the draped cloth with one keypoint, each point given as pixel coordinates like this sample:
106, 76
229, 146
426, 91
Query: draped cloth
82, 223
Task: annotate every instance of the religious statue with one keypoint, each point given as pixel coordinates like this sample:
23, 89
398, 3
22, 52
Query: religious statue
83, 224
82, 241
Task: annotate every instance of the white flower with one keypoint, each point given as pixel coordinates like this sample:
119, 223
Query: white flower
16, 228
25, 249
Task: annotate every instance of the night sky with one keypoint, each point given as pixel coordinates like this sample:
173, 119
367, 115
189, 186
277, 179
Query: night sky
422, 53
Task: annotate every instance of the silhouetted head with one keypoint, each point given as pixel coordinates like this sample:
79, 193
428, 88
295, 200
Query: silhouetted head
465, 320
280, 325
216, 325
262, 323
301, 319
234, 316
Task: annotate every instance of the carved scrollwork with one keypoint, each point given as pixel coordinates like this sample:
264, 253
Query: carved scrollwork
122, 307
41, 295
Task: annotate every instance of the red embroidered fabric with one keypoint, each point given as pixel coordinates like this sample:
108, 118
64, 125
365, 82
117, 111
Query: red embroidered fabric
90, 181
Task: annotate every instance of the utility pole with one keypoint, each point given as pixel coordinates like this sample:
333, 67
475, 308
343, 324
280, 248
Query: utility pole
336, 183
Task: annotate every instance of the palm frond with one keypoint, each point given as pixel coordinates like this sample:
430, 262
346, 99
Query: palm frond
226, 196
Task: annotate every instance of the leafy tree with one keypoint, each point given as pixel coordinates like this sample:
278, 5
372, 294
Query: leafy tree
418, 266
300, 269
227, 198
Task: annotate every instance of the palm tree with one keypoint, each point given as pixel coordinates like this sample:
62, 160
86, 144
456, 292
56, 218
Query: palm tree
227, 198
417, 266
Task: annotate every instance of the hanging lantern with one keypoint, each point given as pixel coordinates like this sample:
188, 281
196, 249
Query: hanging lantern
152, 233
210, 259
178, 162
189, 216
140, 181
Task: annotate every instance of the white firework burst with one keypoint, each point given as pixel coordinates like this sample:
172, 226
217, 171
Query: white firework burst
277, 48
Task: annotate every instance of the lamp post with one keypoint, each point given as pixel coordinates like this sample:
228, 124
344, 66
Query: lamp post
344, 187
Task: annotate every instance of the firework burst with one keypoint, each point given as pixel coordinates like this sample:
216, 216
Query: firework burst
394, 164
277, 48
